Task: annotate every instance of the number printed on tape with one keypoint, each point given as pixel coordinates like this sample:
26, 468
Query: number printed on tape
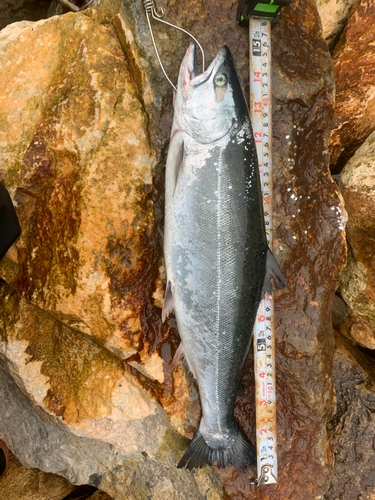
264, 342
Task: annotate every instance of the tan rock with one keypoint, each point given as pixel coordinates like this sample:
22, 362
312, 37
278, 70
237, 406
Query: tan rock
334, 15
357, 287
355, 85
20, 483
74, 378
80, 181
153, 368
355, 328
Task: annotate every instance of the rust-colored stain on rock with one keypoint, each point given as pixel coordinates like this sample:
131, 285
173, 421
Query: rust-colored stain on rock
354, 78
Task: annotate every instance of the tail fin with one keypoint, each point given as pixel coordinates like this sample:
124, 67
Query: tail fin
241, 454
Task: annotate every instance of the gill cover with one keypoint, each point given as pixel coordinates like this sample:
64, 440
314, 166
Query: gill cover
209, 104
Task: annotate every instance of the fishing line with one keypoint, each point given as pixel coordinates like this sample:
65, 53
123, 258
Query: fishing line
152, 11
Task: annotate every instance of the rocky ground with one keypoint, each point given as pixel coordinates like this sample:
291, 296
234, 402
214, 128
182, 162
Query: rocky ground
87, 393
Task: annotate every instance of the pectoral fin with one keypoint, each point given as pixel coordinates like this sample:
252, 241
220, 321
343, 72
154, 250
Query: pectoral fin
175, 160
179, 162
272, 272
168, 302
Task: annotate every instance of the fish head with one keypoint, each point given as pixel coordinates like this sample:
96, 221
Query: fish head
210, 104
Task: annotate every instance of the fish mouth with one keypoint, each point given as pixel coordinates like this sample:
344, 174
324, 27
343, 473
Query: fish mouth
190, 66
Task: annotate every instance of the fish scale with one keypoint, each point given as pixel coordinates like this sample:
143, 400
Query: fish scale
216, 252
215, 249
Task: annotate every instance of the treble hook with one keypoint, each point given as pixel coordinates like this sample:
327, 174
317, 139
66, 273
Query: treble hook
151, 9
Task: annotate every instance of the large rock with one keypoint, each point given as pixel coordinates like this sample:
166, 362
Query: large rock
20, 483
352, 428
354, 327
80, 181
354, 60
87, 176
357, 286
334, 16
84, 269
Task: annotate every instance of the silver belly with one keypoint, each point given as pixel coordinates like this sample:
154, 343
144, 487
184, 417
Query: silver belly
205, 249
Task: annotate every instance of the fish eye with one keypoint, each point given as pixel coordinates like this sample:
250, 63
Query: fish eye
220, 80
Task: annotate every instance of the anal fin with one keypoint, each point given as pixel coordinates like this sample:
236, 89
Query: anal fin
177, 356
168, 302
273, 271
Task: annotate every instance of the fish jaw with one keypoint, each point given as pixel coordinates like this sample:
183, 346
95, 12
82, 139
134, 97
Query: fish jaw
189, 76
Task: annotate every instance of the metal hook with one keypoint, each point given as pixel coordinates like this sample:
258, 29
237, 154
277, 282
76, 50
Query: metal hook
151, 9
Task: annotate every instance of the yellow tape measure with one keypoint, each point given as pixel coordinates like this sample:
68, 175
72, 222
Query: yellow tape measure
264, 331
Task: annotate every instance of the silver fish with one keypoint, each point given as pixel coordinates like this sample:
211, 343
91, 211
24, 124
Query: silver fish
217, 259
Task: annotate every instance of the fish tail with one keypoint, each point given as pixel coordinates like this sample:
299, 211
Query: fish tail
241, 454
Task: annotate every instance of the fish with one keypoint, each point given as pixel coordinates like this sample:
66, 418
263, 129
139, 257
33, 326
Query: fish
217, 259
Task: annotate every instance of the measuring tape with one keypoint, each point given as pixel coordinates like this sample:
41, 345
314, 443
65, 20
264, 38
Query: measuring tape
264, 331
